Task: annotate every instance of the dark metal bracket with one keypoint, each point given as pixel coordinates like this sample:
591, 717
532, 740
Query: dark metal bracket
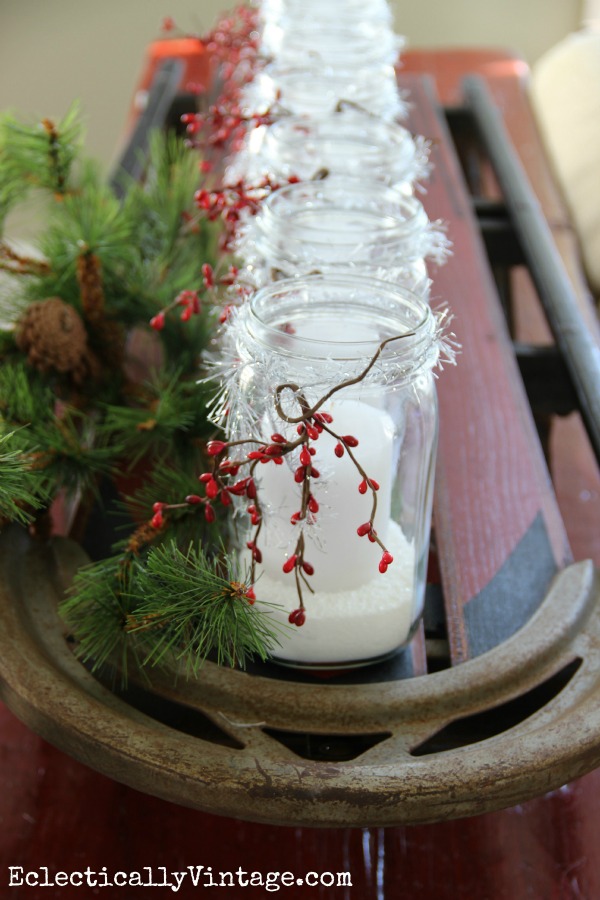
161, 98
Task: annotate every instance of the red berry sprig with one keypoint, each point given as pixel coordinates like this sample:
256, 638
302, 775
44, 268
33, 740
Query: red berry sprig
190, 302
226, 481
221, 125
311, 423
233, 49
232, 479
229, 204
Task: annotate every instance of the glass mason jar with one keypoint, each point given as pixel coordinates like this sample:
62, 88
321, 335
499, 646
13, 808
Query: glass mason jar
350, 143
341, 225
331, 12
343, 45
344, 518
310, 91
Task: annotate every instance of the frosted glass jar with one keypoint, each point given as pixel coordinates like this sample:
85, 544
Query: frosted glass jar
340, 46
345, 518
331, 12
309, 91
350, 143
340, 225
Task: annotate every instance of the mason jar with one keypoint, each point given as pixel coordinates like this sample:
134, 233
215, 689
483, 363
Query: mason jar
342, 45
335, 373
350, 143
331, 12
341, 225
310, 91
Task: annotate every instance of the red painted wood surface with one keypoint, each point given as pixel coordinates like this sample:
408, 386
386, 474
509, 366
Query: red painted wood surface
491, 481
55, 812
575, 472
448, 66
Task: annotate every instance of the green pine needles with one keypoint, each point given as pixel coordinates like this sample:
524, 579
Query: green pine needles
177, 607
91, 395
39, 154
22, 486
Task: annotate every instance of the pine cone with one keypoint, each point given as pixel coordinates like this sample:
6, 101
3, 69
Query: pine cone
53, 336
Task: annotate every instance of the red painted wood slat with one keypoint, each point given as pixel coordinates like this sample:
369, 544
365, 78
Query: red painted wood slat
492, 482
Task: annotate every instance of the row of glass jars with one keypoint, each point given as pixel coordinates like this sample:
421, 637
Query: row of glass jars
333, 355
320, 54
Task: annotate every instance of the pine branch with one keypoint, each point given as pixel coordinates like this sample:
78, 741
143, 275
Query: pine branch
41, 154
15, 262
96, 611
88, 221
64, 448
70, 453
164, 202
117, 264
11, 185
22, 488
166, 420
25, 396
173, 606
150, 427
192, 605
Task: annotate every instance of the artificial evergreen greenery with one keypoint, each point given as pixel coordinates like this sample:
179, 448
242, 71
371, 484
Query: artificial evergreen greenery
38, 155
173, 604
89, 392
22, 486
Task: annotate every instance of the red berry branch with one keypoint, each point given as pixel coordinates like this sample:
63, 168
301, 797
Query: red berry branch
232, 478
232, 47
230, 203
222, 126
190, 301
232, 43
227, 204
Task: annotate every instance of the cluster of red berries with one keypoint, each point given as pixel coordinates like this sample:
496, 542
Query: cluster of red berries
297, 616
217, 488
232, 202
233, 40
309, 431
189, 301
222, 126
224, 483
345, 443
366, 529
233, 48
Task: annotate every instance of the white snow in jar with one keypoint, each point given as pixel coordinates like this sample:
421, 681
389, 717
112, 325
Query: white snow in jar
350, 625
356, 612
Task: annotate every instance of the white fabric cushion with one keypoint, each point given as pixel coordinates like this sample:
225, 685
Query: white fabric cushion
565, 93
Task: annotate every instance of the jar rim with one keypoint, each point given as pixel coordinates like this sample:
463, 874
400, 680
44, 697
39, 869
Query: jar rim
387, 139
318, 90
407, 211
385, 214
333, 42
398, 312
